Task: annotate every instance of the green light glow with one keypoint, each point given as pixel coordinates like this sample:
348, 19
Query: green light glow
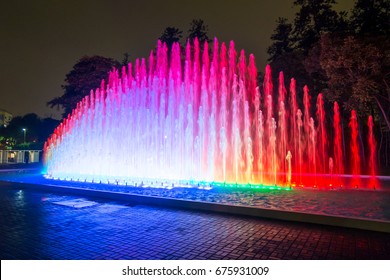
241, 186
169, 184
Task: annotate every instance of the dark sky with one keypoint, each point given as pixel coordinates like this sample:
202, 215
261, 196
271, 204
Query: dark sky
40, 40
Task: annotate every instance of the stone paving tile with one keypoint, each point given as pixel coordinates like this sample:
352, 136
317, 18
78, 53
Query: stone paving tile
32, 226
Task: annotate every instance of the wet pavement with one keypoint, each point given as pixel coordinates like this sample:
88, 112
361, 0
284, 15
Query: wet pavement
39, 225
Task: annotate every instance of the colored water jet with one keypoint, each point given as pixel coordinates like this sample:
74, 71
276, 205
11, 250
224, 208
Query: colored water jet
372, 154
355, 155
337, 145
200, 119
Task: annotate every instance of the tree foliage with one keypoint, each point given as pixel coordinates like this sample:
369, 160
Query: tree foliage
198, 29
7, 143
371, 17
296, 44
281, 39
37, 131
359, 73
313, 18
171, 35
292, 65
86, 75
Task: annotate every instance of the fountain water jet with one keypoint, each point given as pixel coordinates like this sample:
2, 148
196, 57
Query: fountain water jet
355, 157
337, 146
203, 120
372, 154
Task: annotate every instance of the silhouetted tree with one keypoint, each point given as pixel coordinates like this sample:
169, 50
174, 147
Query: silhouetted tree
315, 72
171, 35
358, 72
294, 46
292, 65
46, 128
313, 18
37, 131
371, 17
198, 29
281, 39
30, 122
86, 74
125, 59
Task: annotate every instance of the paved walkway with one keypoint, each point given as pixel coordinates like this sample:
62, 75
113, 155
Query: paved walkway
35, 225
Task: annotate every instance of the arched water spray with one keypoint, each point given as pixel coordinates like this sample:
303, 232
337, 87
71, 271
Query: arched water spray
199, 119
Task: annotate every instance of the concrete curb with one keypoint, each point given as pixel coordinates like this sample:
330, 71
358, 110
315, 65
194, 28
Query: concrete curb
340, 221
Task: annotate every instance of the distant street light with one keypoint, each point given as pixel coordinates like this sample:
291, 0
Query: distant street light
24, 134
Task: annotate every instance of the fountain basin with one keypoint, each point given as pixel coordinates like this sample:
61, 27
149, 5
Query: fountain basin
303, 204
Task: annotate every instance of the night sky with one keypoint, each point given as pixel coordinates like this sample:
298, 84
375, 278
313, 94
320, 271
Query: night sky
40, 41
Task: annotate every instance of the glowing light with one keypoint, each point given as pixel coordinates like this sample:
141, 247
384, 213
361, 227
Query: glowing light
202, 123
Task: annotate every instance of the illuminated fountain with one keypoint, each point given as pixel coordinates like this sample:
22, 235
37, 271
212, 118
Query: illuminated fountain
202, 119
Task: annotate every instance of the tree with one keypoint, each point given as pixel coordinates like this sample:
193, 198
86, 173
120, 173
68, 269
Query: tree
7, 143
292, 65
30, 122
171, 35
125, 59
314, 18
86, 74
37, 131
312, 65
281, 39
371, 17
294, 49
198, 29
358, 72
46, 128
